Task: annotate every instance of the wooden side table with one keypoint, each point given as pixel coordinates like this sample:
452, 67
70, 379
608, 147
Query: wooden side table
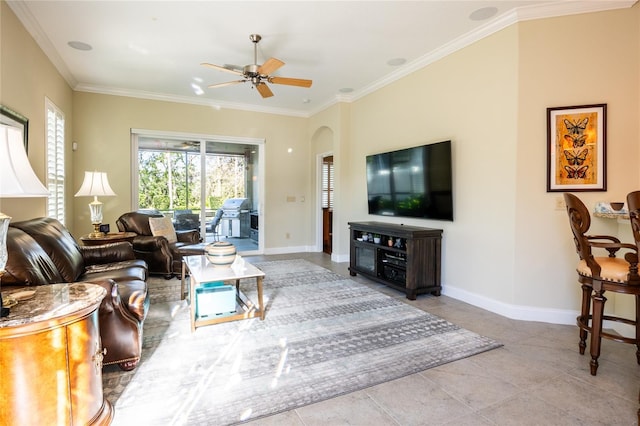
51, 358
114, 237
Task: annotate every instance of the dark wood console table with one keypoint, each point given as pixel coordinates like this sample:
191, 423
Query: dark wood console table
409, 263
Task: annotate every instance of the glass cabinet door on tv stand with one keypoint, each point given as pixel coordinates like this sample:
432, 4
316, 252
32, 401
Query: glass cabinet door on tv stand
403, 257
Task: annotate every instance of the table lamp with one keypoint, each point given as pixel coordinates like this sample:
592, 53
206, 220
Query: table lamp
17, 180
95, 184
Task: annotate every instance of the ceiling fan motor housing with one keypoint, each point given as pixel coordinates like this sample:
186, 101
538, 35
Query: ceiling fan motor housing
251, 70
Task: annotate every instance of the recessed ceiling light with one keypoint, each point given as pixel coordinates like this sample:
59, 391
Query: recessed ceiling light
483, 13
80, 45
346, 90
396, 62
197, 89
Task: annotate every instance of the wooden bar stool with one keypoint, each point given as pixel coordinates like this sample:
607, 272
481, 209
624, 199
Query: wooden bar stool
599, 275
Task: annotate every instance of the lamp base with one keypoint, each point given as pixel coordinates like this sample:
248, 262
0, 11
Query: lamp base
96, 231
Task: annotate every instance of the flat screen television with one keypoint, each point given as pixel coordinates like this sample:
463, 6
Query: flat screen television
413, 182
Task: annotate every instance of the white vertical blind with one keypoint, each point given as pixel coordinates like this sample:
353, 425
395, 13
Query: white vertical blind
55, 161
327, 184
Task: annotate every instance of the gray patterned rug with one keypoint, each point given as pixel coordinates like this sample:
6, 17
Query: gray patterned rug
324, 335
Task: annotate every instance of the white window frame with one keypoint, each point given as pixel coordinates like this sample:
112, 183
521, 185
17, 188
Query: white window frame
55, 161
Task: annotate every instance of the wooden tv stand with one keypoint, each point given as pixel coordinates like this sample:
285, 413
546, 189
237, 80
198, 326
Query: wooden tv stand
411, 264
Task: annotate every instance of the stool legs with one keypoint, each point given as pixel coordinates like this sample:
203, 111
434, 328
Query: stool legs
638, 329
596, 325
583, 319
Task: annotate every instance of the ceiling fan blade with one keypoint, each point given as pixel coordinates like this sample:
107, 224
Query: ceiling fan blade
264, 90
219, 68
228, 83
270, 66
299, 82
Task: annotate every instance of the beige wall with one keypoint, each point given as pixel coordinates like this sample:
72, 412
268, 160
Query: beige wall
26, 78
470, 98
102, 130
578, 60
508, 249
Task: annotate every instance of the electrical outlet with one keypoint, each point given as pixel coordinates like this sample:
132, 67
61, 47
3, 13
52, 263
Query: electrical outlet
560, 203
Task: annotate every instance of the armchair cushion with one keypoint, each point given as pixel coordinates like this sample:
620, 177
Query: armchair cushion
162, 227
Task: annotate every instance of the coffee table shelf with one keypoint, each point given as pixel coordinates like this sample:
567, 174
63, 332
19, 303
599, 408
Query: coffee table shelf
201, 271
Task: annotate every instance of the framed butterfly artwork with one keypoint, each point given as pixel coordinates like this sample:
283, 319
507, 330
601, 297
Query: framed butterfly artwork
577, 148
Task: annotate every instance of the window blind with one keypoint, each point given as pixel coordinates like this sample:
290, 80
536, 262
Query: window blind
327, 184
55, 161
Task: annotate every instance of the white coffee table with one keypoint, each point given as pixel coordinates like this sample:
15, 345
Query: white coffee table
201, 271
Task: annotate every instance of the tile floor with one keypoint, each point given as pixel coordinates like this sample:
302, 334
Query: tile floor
537, 378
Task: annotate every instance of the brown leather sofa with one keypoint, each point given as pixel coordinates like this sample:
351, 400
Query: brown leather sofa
42, 251
161, 256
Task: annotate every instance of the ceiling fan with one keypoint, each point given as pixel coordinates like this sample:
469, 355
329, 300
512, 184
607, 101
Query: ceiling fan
258, 75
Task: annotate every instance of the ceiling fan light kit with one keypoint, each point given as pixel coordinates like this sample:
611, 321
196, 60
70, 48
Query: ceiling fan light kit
259, 75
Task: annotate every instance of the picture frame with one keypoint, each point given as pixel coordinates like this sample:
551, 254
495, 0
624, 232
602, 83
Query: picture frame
577, 148
15, 119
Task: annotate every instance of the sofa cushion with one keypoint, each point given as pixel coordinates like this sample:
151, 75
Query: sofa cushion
58, 243
28, 264
162, 227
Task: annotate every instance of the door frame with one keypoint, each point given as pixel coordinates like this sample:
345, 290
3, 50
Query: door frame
203, 138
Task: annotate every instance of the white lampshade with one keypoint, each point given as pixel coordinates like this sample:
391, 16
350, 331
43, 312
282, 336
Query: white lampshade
17, 178
95, 184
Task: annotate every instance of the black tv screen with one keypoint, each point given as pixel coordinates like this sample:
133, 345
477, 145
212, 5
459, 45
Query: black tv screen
413, 182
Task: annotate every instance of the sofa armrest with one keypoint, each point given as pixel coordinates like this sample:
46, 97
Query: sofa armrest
107, 253
150, 243
191, 236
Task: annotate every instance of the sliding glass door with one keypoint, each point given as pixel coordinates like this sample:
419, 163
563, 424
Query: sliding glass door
190, 180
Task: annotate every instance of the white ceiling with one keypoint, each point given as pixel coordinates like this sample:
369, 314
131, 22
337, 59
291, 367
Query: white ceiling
153, 49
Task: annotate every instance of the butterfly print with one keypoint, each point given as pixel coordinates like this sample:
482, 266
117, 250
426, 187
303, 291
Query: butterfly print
576, 159
577, 127
576, 172
576, 141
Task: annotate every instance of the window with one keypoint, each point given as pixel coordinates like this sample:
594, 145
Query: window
327, 183
55, 161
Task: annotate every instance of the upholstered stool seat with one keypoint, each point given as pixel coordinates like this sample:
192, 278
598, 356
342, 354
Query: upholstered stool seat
612, 269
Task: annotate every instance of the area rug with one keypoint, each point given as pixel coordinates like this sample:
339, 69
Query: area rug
324, 335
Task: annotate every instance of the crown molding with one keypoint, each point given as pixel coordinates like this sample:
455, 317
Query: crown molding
521, 14
218, 105
527, 13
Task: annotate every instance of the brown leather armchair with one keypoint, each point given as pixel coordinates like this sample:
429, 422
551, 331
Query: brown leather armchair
42, 251
162, 257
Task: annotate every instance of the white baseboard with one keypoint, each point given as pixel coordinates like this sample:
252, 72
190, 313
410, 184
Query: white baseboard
340, 258
518, 312
288, 250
